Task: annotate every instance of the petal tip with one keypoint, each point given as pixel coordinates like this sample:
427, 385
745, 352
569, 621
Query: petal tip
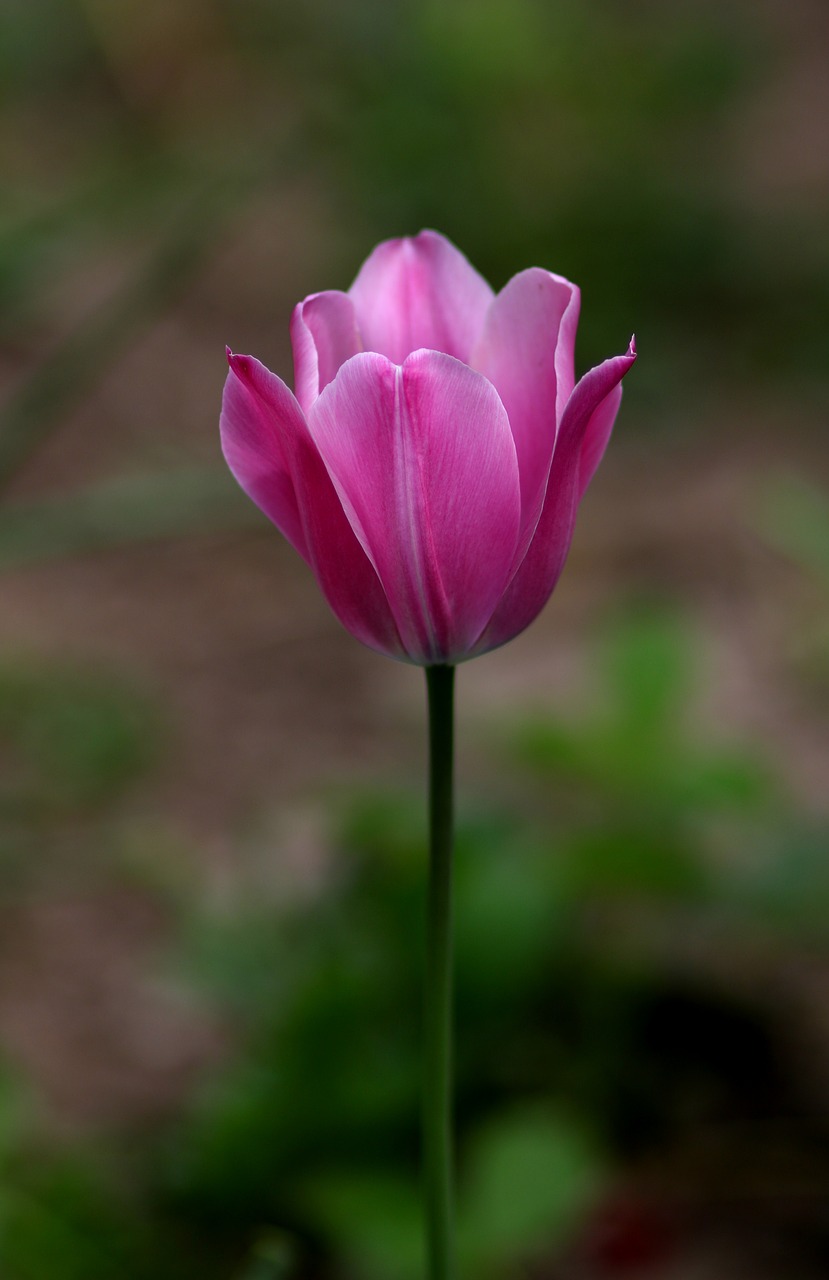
632, 347
240, 365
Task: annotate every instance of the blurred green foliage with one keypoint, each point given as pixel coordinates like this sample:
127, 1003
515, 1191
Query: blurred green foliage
69, 739
581, 1039
120, 512
793, 513
559, 1011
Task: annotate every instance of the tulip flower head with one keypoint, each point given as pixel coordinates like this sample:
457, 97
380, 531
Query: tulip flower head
431, 460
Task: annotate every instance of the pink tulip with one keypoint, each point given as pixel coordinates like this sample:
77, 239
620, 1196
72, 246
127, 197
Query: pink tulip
431, 462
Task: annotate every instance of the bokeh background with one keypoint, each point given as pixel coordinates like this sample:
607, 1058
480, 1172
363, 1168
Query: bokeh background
211, 830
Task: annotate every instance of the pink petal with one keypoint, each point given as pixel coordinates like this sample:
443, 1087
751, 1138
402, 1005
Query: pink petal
424, 462
597, 433
258, 413
526, 351
419, 292
324, 335
270, 452
587, 419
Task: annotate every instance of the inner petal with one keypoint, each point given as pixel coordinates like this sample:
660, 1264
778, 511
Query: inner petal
419, 292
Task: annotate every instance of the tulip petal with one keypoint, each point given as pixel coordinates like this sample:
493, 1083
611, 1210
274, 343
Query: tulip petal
586, 423
323, 335
599, 428
419, 292
258, 411
526, 350
268, 448
424, 462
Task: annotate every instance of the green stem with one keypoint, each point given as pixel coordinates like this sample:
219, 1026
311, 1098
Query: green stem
437, 1092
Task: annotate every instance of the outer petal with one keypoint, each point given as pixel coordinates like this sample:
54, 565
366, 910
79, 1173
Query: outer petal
323, 335
526, 351
270, 452
419, 292
254, 427
597, 433
424, 462
587, 420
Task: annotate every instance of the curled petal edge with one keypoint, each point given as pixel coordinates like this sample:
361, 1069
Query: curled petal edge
345, 575
592, 407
